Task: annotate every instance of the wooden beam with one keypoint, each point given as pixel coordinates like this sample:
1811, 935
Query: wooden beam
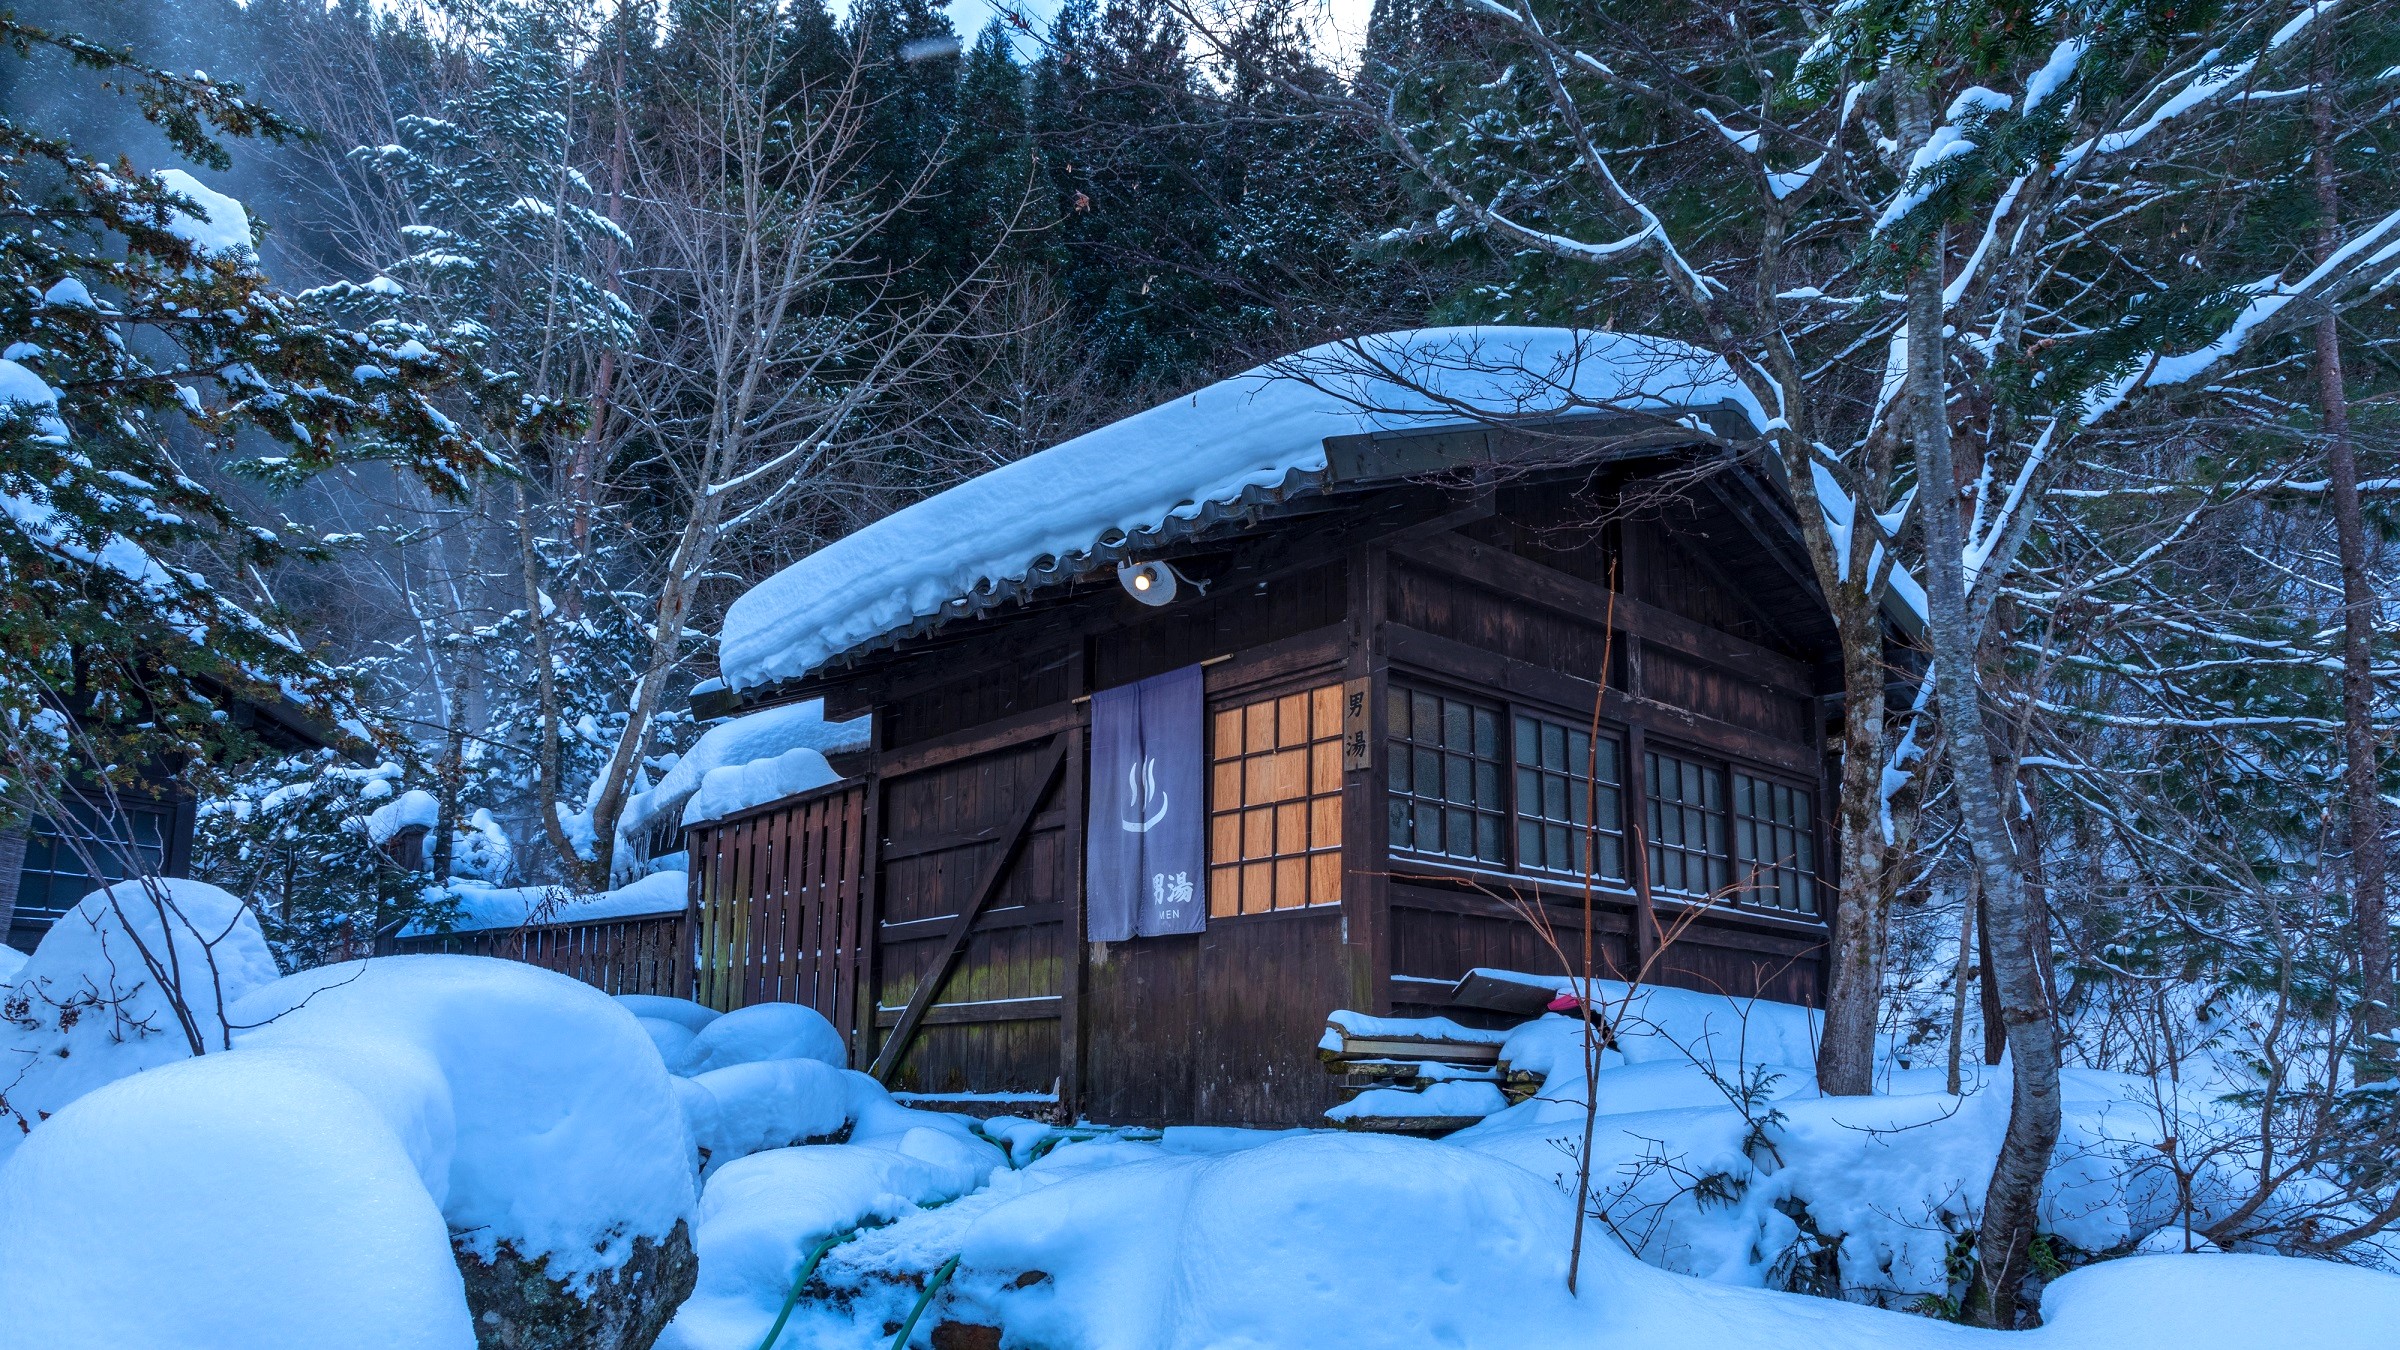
1459, 660
986, 886
1040, 1009
1586, 601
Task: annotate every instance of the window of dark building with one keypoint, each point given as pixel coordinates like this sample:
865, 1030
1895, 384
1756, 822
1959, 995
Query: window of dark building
1275, 804
1448, 796
1688, 850
127, 843
1774, 844
1570, 800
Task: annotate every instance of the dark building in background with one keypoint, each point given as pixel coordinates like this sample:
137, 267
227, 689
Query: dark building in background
48, 864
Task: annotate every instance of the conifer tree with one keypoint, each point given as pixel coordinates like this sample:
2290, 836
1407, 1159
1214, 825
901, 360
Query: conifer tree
145, 350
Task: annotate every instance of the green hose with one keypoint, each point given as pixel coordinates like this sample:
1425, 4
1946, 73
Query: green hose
940, 1278
808, 1267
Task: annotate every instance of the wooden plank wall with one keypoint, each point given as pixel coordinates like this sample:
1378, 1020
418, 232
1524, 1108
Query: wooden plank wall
1443, 930
645, 954
780, 899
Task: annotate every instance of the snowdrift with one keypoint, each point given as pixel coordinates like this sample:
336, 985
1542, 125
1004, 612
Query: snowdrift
97, 1000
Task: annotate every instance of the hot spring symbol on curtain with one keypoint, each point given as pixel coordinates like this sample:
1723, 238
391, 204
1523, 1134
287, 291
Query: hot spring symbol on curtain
1144, 856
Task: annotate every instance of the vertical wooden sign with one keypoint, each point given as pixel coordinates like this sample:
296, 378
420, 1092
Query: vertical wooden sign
1358, 745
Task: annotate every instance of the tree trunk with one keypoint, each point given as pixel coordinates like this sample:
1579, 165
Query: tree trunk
2011, 1205
1968, 904
2362, 769
1861, 918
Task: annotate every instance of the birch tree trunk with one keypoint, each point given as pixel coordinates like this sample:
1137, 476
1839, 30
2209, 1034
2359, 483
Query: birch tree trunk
2011, 1204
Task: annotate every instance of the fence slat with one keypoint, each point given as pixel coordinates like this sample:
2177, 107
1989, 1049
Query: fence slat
595, 952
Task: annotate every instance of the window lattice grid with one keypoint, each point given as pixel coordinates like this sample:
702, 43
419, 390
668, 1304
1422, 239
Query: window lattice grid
1275, 804
1447, 791
54, 877
1558, 769
1688, 850
1775, 844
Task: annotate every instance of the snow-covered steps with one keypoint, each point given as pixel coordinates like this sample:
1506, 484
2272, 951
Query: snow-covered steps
1416, 1075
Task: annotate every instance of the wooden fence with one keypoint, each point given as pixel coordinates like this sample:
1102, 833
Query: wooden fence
643, 954
781, 905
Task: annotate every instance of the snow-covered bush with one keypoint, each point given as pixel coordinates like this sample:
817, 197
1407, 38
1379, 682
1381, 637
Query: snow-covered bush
1713, 1154
138, 974
234, 1200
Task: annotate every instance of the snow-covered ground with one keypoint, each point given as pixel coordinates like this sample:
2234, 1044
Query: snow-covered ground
355, 1132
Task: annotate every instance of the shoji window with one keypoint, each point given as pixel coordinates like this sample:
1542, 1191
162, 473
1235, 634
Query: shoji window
1275, 804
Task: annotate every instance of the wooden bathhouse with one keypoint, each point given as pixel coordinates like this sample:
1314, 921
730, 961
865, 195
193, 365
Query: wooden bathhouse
1427, 631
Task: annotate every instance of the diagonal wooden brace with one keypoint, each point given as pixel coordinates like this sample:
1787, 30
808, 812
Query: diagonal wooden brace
1012, 840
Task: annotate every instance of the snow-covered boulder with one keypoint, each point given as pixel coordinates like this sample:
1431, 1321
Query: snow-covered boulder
521, 1114
544, 1124
763, 1031
138, 974
244, 1199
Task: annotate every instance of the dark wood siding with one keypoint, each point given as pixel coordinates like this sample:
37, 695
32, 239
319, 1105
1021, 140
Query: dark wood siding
1219, 1028
1443, 929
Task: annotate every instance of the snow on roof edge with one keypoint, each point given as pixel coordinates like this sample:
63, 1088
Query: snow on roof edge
1251, 440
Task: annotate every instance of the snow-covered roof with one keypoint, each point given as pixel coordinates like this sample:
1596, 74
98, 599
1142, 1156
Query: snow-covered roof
1178, 467
787, 743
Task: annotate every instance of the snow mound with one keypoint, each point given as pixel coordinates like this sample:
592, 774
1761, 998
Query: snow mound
749, 1108
133, 977
415, 808
670, 1022
536, 1111
1310, 1240
11, 961
762, 1214
681, 1011
1055, 512
24, 392
763, 1031
738, 787
243, 1199
219, 226
749, 739
1374, 1242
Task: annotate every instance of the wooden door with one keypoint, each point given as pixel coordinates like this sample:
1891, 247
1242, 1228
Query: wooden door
979, 857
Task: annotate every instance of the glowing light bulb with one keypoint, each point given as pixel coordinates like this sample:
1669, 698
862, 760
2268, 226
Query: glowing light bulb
1152, 583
